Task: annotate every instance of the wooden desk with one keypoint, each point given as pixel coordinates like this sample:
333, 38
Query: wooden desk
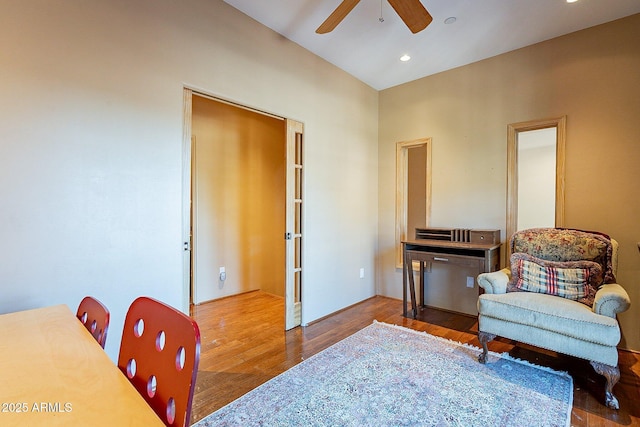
484, 257
53, 373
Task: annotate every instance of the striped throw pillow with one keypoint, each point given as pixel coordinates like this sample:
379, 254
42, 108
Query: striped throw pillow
575, 280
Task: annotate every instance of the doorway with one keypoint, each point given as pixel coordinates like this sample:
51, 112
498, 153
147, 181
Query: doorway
413, 190
535, 174
237, 211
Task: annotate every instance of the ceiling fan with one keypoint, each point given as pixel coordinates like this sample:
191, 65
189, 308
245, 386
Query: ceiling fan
412, 12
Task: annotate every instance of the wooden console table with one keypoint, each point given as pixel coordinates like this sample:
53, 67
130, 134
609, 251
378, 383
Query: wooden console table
484, 256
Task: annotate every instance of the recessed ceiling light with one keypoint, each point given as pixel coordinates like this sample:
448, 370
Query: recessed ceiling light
571, 1
405, 58
450, 20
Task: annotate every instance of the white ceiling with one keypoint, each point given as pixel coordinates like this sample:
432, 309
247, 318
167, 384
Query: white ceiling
370, 50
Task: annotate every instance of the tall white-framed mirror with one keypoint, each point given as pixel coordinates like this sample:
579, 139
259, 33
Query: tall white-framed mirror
535, 174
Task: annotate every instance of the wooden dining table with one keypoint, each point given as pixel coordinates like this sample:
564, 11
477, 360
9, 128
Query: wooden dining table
54, 373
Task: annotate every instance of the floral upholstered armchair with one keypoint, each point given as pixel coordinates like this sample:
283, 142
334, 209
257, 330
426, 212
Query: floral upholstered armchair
560, 293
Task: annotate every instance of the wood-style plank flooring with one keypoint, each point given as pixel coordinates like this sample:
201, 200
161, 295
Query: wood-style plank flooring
244, 344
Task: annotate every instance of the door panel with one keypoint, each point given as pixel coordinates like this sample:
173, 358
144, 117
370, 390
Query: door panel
293, 234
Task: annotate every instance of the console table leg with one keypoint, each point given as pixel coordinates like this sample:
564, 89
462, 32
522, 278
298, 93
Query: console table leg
404, 281
421, 281
408, 265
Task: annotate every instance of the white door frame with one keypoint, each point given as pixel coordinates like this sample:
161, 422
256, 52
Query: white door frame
187, 162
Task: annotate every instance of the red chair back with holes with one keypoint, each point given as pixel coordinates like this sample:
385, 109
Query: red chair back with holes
95, 317
159, 354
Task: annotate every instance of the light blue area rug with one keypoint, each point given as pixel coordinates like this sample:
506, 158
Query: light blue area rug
387, 375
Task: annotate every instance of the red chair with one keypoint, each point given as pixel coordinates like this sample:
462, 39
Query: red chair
95, 317
159, 353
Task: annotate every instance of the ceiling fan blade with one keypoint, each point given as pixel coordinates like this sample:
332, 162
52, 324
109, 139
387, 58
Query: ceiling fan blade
337, 16
413, 13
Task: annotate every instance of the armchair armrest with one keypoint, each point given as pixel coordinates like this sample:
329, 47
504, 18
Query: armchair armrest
495, 282
611, 299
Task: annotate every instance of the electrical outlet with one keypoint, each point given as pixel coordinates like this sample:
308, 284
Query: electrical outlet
223, 274
471, 282
362, 273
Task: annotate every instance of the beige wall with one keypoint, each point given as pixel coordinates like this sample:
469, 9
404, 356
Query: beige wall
91, 155
591, 77
239, 200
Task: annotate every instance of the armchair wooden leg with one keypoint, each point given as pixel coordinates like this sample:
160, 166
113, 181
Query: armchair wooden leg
484, 338
612, 374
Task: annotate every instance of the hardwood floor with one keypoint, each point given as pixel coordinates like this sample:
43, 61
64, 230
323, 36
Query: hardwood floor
244, 344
